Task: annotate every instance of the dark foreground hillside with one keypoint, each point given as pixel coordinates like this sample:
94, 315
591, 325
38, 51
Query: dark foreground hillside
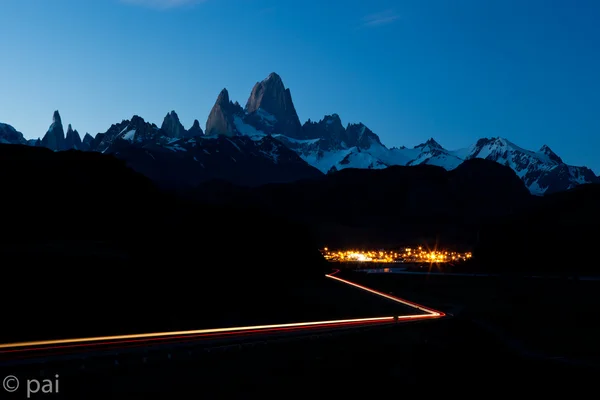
371, 208
558, 234
85, 237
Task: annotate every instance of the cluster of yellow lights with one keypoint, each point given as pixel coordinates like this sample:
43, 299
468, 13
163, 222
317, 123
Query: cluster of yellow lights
408, 254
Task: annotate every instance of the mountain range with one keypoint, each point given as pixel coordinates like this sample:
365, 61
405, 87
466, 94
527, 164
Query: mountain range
265, 142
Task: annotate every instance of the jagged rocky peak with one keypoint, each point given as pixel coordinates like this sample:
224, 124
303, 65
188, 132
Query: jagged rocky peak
140, 124
551, 154
70, 133
333, 124
87, 138
195, 130
323, 128
86, 142
54, 139
221, 118
172, 127
56, 118
72, 140
329, 130
136, 130
360, 136
274, 77
333, 119
358, 126
136, 119
271, 99
142, 127
333, 135
223, 97
431, 143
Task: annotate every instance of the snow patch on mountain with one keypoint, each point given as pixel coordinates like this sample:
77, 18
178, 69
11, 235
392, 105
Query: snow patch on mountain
300, 142
176, 148
325, 161
129, 136
266, 116
246, 129
271, 153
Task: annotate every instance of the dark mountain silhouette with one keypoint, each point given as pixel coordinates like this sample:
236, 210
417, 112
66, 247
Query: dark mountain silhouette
172, 127
558, 233
370, 208
239, 160
73, 140
83, 230
54, 139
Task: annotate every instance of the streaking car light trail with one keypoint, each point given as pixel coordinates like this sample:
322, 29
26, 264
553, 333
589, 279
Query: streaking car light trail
429, 311
146, 338
200, 332
106, 345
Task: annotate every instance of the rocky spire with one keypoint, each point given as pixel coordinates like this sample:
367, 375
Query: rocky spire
223, 97
220, 119
56, 118
72, 140
86, 143
54, 139
195, 130
271, 96
431, 143
360, 136
172, 126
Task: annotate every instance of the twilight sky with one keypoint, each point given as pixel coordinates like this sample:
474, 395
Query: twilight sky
454, 70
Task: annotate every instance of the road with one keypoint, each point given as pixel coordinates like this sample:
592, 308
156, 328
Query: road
11, 353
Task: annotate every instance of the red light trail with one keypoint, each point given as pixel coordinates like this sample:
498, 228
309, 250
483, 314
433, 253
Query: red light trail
76, 345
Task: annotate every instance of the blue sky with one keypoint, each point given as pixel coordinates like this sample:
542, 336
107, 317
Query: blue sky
455, 70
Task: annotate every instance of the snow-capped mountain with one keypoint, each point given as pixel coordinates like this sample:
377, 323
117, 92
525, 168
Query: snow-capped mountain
329, 146
9, 135
268, 128
176, 157
542, 171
